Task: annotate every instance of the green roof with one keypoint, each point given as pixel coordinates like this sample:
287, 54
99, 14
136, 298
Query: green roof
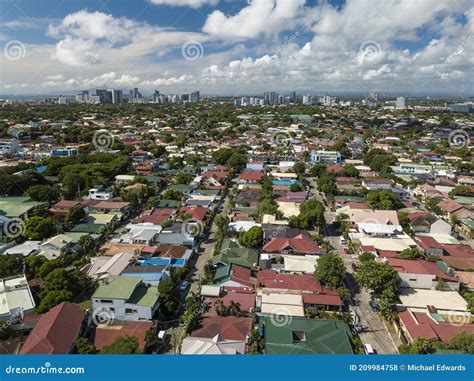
231, 253
207, 192
181, 187
144, 295
222, 272
463, 200
307, 336
167, 204
87, 228
15, 207
117, 287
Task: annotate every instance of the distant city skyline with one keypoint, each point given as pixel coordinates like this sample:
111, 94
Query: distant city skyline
238, 48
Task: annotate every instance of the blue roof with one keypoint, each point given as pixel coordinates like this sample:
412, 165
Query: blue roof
41, 169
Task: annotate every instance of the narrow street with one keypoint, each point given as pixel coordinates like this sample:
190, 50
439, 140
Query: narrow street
375, 332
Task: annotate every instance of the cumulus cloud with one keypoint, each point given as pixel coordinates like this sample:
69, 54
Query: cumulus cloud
267, 17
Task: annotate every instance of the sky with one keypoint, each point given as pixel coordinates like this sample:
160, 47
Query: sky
237, 47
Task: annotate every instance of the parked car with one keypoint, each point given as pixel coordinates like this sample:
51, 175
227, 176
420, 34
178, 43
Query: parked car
346, 250
184, 286
374, 306
354, 266
368, 349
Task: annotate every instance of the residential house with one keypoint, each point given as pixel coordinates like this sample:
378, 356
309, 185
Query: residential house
56, 331
232, 253
16, 298
306, 336
127, 297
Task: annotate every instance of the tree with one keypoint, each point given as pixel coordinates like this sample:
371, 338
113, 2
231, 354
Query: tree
384, 200
311, 215
299, 168
419, 346
236, 162
233, 309
169, 295
327, 184
43, 193
74, 215
219, 307
124, 345
350, 171
411, 253
365, 256
460, 190
85, 347
38, 228
379, 160
222, 155
377, 276
331, 270
171, 194
252, 238
10, 265
462, 341
295, 187
152, 341
33, 264
387, 302
317, 170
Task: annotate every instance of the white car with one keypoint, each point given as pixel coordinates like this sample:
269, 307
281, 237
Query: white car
368, 349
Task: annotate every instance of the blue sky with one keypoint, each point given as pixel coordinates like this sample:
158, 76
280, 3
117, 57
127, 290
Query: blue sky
236, 47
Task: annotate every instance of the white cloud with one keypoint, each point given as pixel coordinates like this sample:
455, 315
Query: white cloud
185, 3
267, 17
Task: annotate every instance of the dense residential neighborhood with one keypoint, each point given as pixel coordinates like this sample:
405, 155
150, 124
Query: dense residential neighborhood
214, 226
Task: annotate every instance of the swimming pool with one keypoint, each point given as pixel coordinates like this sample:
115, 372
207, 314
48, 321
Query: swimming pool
283, 182
158, 261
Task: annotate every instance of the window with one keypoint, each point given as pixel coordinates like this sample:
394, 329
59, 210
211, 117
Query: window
130, 311
106, 301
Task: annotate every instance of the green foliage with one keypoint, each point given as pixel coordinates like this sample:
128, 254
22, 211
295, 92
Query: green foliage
124, 345
366, 257
171, 194
327, 184
460, 190
379, 160
384, 200
311, 215
10, 265
331, 270
169, 295
419, 346
74, 215
252, 238
62, 285
44, 193
85, 347
411, 253
377, 276
38, 228
350, 171
317, 170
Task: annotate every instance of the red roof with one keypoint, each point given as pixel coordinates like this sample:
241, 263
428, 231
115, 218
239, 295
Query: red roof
449, 206
419, 266
229, 328
107, 334
251, 176
155, 216
197, 213
56, 331
420, 324
246, 300
300, 244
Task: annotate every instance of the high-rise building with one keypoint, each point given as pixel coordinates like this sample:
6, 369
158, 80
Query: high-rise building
293, 97
400, 102
194, 96
105, 96
117, 96
270, 97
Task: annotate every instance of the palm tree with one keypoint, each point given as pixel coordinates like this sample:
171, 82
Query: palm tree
219, 307
233, 308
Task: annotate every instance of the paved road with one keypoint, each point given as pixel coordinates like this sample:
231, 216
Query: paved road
375, 332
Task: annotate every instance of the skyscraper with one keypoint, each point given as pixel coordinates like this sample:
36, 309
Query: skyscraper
117, 96
400, 102
270, 97
105, 96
